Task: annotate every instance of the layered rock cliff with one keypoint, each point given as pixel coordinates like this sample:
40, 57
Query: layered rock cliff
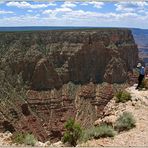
63, 70
49, 59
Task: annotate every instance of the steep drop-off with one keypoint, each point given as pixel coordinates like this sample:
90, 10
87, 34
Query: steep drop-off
79, 56
62, 70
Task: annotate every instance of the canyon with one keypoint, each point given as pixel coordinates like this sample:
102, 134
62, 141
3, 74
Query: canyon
68, 73
141, 39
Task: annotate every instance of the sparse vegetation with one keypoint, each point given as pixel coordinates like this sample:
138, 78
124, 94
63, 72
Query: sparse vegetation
73, 132
122, 96
24, 138
18, 138
101, 131
125, 122
144, 84
30, 140
112, 46
12, 88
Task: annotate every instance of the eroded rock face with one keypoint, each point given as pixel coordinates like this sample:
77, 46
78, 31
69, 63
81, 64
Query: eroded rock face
44, 76
116, 70
67, 65
79, 56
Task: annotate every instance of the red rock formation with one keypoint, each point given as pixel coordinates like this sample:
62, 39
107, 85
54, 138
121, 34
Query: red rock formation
44, 76
50, 61
79, 56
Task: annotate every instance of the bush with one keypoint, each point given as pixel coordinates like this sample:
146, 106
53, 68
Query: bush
18, 138
29, 140
104, 131
24, 138
73, 132
144, 84
101, 131
125, 122
123, 96
88, 134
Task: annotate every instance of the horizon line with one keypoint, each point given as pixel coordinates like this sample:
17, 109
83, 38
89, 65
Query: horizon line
73, 26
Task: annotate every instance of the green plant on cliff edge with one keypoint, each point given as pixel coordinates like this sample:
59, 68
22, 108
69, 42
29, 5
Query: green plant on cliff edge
73, 132
24, 138
30, 140
144, 84
122, 96
126, 121
100, 131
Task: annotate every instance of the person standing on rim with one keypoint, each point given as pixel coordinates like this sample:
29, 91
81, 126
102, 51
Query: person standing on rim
141, 71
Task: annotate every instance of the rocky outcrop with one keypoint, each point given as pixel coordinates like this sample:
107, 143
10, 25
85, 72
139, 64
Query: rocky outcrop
44, 76
44, 113
79, 56
116, 69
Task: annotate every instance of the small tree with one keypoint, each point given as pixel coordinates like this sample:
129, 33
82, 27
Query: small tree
73, 132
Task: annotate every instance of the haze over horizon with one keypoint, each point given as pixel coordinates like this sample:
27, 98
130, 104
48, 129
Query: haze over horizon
74, 14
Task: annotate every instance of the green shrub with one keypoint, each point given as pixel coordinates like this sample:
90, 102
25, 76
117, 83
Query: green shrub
144, 84
73, 132
24, 138
101, 131
18, 138
29, 140
88, 134
104, 131
123, 96
125, 122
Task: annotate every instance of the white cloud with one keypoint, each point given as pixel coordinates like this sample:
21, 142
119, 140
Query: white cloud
95, 4
20, 20
57, 10
6, 12
63, 9
77, 18
27, 5
47, 11
130, 6
127, 15
29, 10
68, 4
84, 3
52, 4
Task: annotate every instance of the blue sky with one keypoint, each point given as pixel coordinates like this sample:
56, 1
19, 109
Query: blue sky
99, 14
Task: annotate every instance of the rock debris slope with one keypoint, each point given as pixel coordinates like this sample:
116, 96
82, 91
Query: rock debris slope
136, 136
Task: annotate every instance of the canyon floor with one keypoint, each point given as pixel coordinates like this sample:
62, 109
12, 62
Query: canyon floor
137, 136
